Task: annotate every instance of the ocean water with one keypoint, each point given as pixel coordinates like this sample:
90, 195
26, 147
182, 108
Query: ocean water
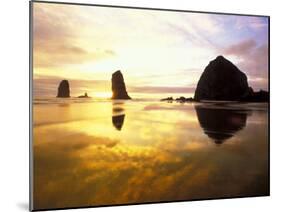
102, 152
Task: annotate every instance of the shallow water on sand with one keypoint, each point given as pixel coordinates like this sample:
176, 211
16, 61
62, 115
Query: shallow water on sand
91, 153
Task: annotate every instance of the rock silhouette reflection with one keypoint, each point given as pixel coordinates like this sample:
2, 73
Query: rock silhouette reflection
118, 115
220, 124
118, 121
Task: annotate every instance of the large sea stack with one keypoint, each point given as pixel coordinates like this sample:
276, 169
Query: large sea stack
63, 90
222, 80
118, 86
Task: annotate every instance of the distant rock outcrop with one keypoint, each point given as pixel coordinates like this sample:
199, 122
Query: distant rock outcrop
222, 80
183, 99
118, 86
84, 96
259, 96
169, 99
63, 89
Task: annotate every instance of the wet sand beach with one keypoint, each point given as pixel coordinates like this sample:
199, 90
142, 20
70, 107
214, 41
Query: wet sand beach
90, 153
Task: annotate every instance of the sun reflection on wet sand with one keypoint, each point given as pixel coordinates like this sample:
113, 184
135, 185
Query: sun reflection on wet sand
101, 153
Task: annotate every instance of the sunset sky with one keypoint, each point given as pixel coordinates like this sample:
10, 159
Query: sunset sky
160, 53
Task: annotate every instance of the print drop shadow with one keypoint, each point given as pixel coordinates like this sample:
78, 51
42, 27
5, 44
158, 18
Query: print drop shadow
220, 124
23, 206
118, 114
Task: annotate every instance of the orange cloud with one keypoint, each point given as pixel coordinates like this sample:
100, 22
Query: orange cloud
56, 54
56, 35
253, 60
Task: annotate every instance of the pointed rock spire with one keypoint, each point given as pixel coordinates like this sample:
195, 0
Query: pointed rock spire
118, 86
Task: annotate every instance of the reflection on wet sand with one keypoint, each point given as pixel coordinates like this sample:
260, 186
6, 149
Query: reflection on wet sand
118, 121
161, 154
220, 124
63, 105
118, 115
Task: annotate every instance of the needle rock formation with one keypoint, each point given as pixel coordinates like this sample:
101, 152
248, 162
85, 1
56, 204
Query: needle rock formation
118, 86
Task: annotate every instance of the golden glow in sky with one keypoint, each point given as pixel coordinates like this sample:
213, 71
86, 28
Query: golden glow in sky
160, 53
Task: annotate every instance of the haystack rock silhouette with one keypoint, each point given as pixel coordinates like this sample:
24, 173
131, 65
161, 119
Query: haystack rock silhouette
63, 89
220, 124
118, 115
222, 80
118, 86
